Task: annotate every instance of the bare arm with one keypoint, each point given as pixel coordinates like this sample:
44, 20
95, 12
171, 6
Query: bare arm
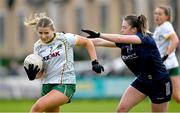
102, 42
88, 44
40, 74
173, 43
117, 38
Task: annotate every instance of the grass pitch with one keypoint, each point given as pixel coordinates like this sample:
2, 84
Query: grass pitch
82, 105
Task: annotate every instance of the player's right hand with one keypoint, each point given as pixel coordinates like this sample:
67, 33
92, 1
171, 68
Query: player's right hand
92, 34
32, 71
97, 67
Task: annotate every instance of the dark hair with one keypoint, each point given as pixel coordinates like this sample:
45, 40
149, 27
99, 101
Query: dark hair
139, 22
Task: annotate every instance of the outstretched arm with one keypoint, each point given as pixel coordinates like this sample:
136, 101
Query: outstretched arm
102, 42
117, 38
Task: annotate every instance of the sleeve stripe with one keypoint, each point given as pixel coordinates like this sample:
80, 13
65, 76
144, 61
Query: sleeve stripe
76, 39
168, 35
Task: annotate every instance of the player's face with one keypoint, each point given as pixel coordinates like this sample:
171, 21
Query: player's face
45, 34
159, 16
126, 29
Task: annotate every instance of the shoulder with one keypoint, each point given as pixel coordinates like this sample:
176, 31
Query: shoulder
59, 35
69, 38
64, 35
166, 29
146, 39
38, 43
166, 25
141, 36
69, 35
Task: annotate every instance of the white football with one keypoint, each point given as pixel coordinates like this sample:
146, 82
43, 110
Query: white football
33, 59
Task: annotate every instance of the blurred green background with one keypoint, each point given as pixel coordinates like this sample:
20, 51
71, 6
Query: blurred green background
17, 94
82, 105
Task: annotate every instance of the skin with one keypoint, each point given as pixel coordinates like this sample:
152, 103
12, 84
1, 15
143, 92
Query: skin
160, 17
40, 74
131, 96
45, 34
51, 101
128, 36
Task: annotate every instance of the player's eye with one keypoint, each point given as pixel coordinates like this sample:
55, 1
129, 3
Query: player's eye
46, 33
123, 27
40, 33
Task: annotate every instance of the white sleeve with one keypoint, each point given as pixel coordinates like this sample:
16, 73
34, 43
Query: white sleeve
167, 29
71, 38
35, 48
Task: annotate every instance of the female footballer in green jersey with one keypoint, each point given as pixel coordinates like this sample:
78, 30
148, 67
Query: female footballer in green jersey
167, 42
56, 49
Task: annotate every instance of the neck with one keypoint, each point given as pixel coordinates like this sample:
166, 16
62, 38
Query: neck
54, 35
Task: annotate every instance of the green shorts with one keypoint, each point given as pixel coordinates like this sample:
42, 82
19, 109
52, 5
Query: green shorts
66, 89
174, 71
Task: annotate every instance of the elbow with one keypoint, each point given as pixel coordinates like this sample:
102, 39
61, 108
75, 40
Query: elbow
93, 41
177, 42
89, 43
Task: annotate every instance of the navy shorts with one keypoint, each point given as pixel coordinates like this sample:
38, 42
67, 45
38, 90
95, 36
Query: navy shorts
159, 91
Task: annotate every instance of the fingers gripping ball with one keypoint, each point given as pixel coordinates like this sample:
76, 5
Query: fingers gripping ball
97, 67
33, 64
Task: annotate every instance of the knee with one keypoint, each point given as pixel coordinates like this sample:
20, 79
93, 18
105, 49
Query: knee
121, 109
177, 98
38, 107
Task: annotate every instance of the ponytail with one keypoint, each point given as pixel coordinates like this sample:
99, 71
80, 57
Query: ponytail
139, 22
143, 24
33, 19
39, 20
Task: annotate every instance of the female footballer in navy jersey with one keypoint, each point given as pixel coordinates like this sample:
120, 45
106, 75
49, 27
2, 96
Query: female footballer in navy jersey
141, 55
58, 76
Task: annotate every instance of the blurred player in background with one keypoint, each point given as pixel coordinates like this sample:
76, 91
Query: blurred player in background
58, 76
141, 55
167, 42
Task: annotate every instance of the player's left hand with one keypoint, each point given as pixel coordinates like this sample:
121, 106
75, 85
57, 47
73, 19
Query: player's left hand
92, 34
97, 67
165, 57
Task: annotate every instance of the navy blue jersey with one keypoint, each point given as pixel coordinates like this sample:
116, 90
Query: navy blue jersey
143, 59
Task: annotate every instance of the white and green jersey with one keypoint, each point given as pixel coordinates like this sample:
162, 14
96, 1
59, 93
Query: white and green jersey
58, 59
161, 35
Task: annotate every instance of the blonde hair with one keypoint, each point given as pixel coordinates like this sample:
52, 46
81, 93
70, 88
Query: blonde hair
39, 20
